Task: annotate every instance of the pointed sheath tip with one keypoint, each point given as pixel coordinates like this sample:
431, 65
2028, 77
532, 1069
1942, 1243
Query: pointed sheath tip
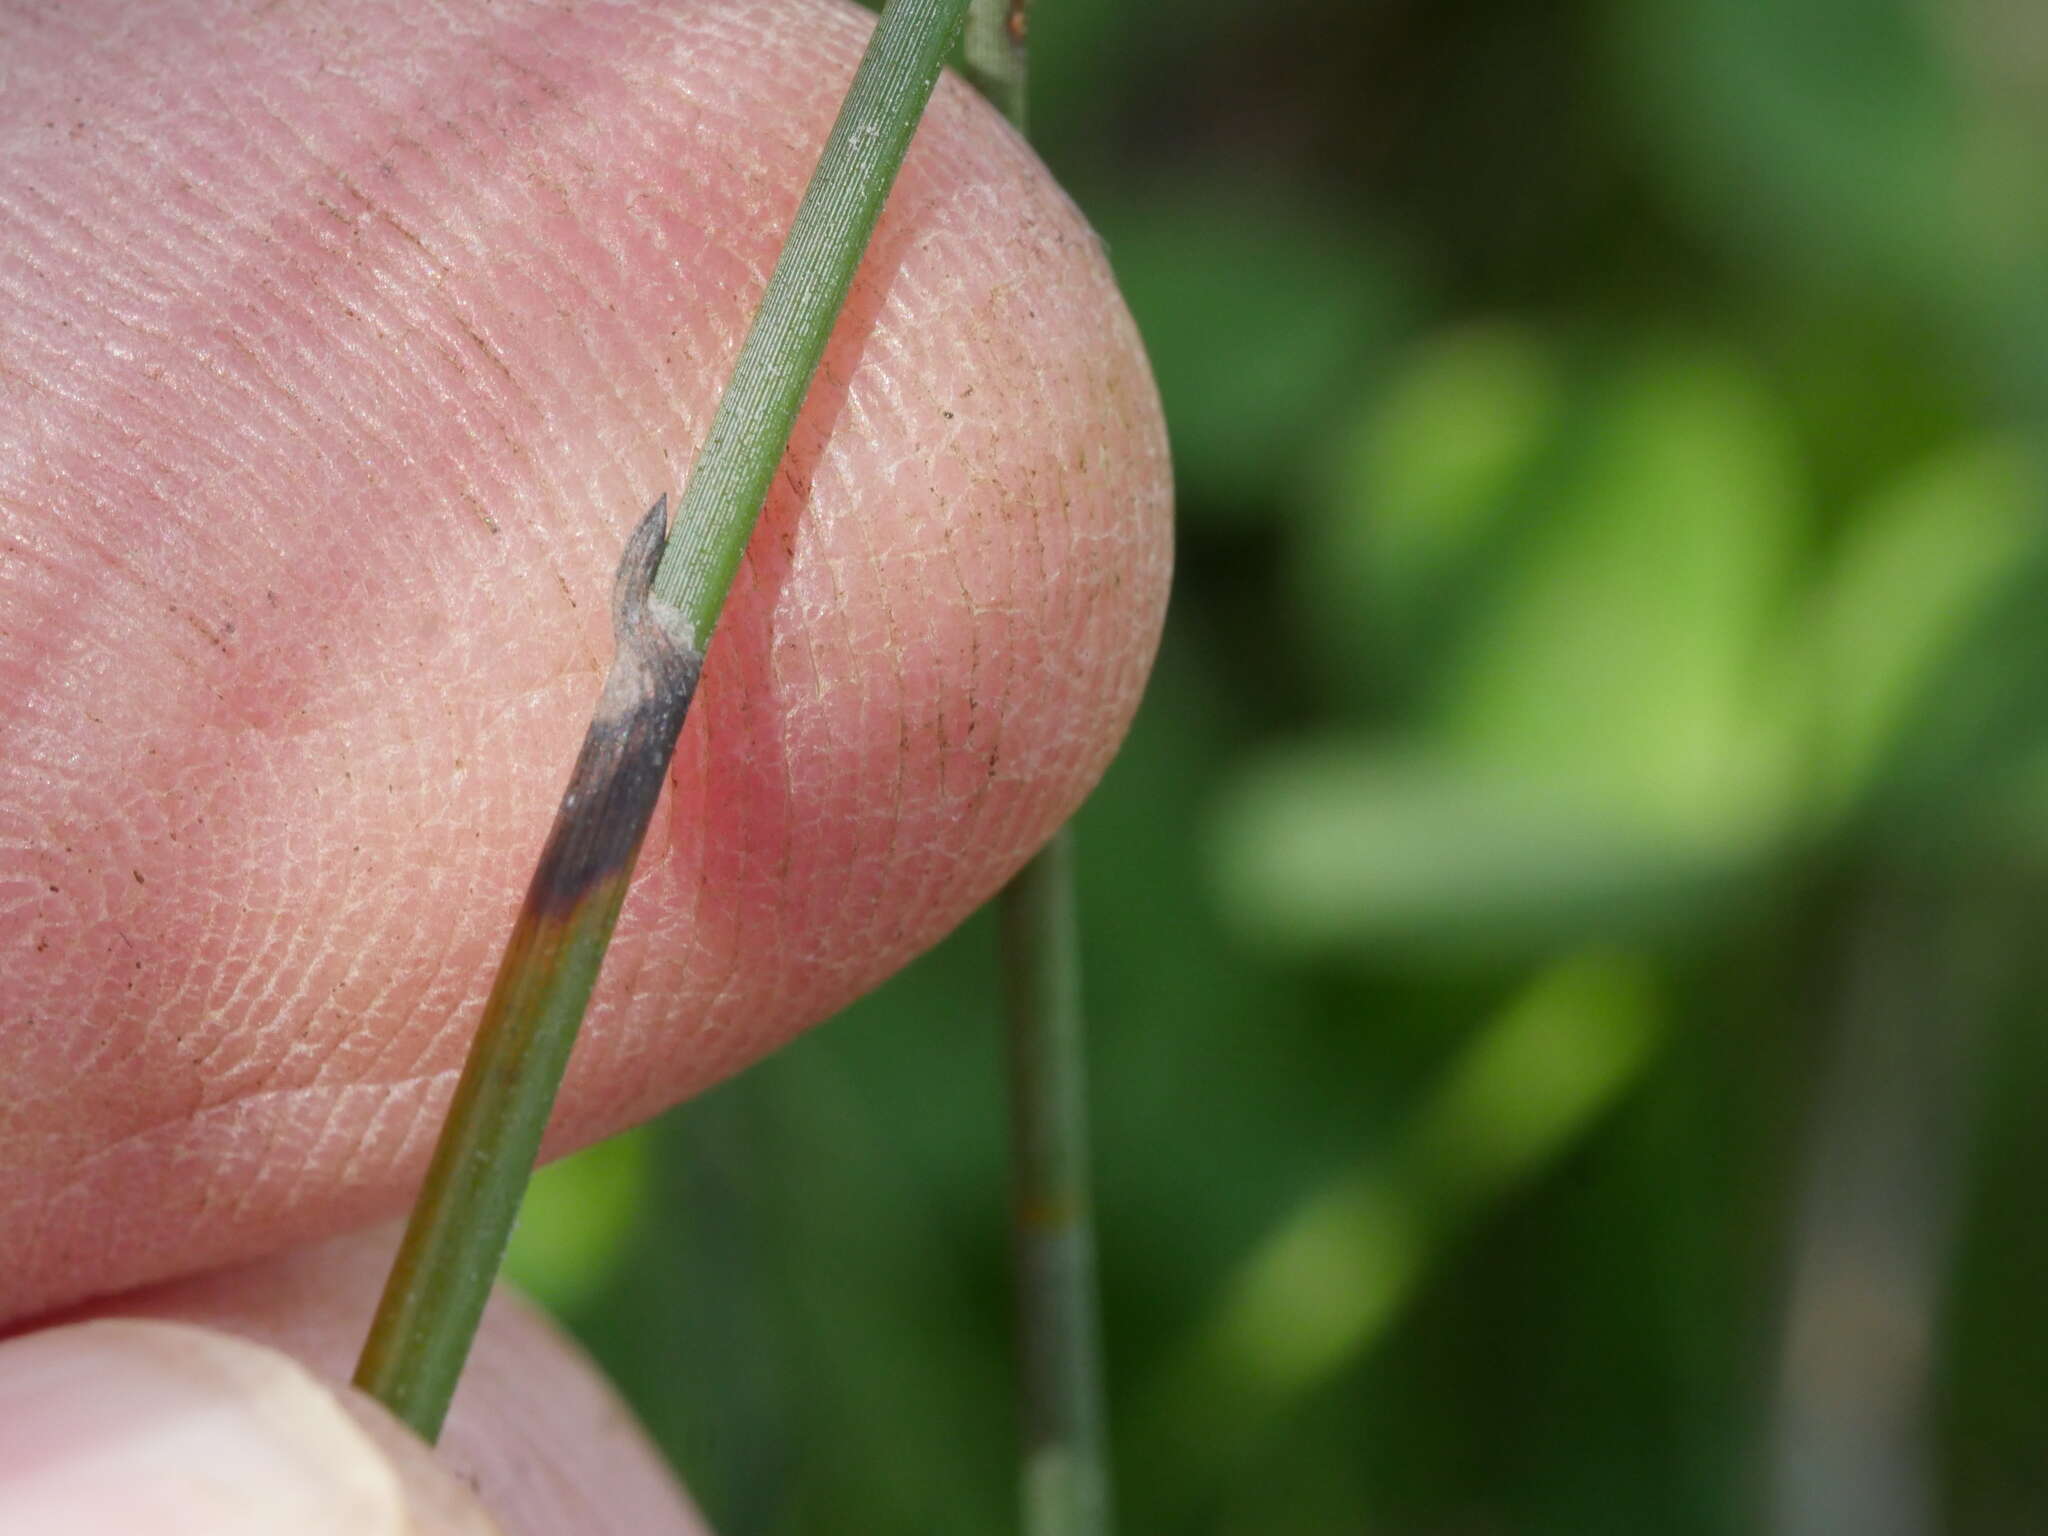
638, 562
631, 737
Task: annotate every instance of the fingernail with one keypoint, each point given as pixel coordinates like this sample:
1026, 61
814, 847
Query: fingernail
161, 1429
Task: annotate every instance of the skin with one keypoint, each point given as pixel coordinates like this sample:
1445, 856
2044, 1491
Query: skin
344, 347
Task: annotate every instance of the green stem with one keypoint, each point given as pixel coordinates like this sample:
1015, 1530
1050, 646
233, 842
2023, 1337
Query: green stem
1066, 1485
1065, 1488
463, 1217
994, 54
751, 429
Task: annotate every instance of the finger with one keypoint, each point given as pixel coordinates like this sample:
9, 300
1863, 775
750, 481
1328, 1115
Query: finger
344, 348
535, 1430
125, 1428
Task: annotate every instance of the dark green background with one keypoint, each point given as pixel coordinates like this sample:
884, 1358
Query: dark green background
1564, 935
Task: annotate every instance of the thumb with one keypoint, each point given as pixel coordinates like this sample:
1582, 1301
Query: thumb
162, 1429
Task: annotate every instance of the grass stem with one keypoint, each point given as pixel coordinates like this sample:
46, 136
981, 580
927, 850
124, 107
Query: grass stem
670, 588
1066, 1485
994, 54
750, 430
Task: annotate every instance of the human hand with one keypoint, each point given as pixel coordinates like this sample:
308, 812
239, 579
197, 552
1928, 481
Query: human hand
344, 346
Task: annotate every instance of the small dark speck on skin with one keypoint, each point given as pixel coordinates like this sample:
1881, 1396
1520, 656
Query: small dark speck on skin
138, 878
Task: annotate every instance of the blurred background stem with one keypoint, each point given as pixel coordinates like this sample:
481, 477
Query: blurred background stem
1872, 1243
1065, 1484
994, 55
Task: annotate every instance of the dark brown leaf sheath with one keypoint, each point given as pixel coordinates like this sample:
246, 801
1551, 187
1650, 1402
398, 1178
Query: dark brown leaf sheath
619, 772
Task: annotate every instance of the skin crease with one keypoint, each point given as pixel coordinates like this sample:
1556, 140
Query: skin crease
344, 346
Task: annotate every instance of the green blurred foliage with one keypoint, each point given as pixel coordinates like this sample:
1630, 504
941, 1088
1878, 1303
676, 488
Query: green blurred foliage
1612, 576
